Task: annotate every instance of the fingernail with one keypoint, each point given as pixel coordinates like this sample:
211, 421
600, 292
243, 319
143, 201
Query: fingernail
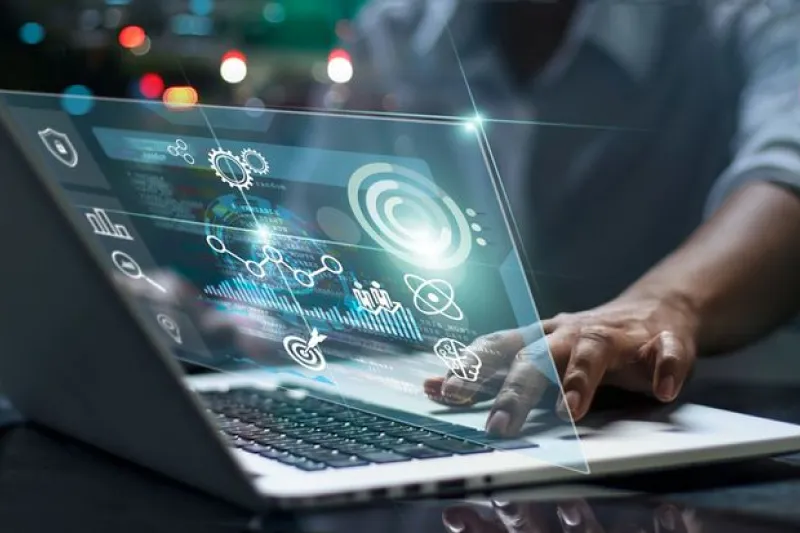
449, 384
666, 389
569, 515
573, 399
498, 423
452, 389
453, 524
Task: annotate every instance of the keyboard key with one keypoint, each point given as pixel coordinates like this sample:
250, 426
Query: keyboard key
293, 460
346, 462
452, 445
418, 451
382, 456
335, 459
310, 466
255, 448
271, 453
512, 444
355, 448
276, 440
402, 431
312, 433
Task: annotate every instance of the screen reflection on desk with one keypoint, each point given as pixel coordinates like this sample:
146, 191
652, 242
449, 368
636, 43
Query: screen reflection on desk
49, 482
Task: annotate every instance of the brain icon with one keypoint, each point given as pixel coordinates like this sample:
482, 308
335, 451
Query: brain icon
462, 361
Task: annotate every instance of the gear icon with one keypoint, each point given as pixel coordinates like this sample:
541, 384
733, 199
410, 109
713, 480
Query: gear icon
256, 162
230, 169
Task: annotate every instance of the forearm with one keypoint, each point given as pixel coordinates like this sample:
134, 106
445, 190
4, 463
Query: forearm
739, 273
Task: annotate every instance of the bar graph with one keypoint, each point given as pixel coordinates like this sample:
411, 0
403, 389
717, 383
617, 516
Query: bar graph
399, 324
102, 225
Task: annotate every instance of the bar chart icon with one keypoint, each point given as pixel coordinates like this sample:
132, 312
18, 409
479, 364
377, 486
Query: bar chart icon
102, 225
399, 324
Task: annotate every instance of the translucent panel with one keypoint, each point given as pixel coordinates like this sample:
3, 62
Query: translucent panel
361, 258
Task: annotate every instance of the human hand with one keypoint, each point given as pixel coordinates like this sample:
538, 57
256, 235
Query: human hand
640, 344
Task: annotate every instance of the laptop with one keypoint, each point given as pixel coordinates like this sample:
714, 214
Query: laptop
355, 256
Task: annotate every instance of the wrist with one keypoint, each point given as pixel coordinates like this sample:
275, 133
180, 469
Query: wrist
674, 309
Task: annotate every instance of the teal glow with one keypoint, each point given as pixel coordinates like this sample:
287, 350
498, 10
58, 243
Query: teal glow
77, 100
31, 33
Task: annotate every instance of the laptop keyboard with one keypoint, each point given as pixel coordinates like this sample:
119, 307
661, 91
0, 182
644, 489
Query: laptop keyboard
314, 434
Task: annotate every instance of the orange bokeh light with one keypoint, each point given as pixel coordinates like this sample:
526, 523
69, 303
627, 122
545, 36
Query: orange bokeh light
180, 97
132, 37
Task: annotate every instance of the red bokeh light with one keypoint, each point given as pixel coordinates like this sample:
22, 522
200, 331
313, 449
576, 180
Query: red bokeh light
339, 53
151, 85
233, 54
132, 37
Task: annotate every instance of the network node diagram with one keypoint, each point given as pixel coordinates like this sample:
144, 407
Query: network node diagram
181, 149
305, 278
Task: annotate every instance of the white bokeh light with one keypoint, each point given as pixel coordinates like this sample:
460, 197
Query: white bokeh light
340, 70
233, 70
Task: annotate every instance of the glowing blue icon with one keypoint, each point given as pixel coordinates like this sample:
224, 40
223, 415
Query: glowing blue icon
433, 297
375, 299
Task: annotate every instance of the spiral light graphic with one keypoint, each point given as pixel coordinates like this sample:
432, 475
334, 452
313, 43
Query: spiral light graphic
409, 216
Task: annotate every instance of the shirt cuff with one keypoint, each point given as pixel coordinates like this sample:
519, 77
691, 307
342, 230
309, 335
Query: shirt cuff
778, 165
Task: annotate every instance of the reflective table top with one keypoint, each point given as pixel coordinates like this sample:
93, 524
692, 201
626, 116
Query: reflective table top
48, 481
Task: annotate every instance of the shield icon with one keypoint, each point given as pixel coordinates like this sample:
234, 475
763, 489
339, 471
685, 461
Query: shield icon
60, 146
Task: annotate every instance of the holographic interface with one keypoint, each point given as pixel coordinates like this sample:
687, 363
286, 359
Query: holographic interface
365, 254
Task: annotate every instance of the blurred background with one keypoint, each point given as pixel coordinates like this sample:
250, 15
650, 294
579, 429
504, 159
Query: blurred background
229, 52
252, 53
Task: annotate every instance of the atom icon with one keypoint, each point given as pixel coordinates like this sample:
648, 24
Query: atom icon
433, 297
256, 162
230, 169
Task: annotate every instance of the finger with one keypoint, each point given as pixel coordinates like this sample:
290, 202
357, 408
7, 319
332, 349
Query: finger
462, 519
551, 324
559, 347
578, 517
521, 391
672, 361
592, 354
495, 352
433, 388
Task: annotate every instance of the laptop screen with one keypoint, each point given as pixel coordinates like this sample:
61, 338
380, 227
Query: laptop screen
361, 254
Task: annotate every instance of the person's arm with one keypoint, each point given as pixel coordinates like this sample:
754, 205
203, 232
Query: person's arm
739, 274
736, 278
740, 271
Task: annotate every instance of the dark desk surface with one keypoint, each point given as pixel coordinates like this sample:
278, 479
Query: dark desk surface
48, 482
